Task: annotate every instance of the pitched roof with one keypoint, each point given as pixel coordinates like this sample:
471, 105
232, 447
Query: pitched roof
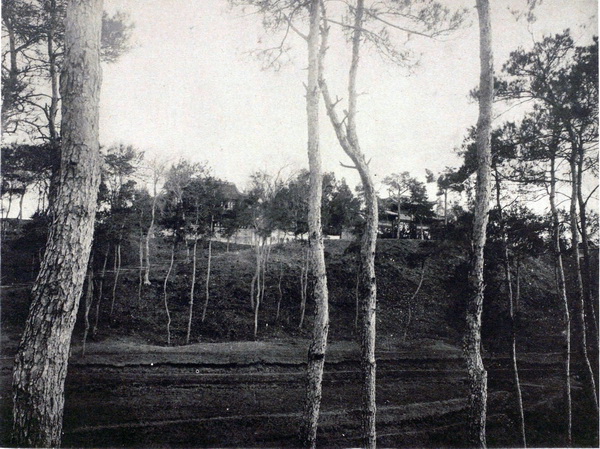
230, 191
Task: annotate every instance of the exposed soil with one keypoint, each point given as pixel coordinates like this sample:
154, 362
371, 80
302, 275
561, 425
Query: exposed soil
228, 390
126, 393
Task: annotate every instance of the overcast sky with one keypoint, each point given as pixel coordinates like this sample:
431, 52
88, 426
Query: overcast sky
190, 88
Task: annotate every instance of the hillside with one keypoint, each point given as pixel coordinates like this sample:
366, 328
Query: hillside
436, 311
225, 389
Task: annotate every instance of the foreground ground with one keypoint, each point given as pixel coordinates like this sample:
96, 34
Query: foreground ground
229, 389
126, 393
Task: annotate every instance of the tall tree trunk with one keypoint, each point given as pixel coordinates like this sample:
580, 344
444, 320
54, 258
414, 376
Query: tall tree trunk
262, 257
445, 208
412, 299
100, 291
589, 294
256, 271
116, 279
165, 295
192, 288
511, 310
149, 235
141, 269
398, 204
303, 286
318, 345
476, 370
10, 197
13, 74
52, 68
280, 291
357, 296
562, 291
267, 255
89, 298
21, 198
348, 140
580, 301
207, 283
41, 361
517, 286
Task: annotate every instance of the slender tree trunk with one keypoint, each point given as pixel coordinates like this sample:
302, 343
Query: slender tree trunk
398, 204
259, 274
256, 272
149, 235
52, 68
303, 286
562, 291
357, 296
264, 270
21, 198
192, 288
580, 295
141, 270
587, 275
511, 309
411, 300
41, 361
318, 345
476, 370
445, 208
116, 280
13, 77
10, 197
89, 297
280, 297
348, 140
100, 292
207, 283
166, 302
517, 286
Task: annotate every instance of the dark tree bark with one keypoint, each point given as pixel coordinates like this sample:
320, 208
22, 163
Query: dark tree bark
318, 345
42, 358
472, 344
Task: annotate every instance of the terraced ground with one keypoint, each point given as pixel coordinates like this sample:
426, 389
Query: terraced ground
249, 394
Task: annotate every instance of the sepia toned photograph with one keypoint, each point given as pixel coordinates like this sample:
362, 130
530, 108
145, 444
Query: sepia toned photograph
299, 224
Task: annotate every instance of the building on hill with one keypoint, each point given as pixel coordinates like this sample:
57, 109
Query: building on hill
230, 194
413, 222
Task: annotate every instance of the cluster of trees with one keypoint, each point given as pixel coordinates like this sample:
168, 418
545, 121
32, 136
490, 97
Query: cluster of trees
552, 150
187, 206
553, 146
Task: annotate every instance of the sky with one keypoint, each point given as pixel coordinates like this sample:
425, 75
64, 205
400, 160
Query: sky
190, 88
